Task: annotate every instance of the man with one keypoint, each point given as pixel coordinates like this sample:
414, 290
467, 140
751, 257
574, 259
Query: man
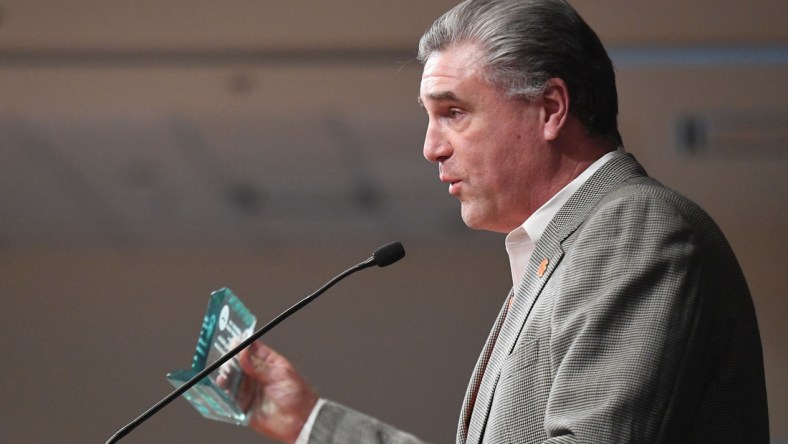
629, 319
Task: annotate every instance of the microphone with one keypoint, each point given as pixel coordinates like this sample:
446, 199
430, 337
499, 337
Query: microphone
386, 255
382, 257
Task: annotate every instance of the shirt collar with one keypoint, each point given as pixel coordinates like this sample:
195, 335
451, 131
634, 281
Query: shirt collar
521, 241
537, 223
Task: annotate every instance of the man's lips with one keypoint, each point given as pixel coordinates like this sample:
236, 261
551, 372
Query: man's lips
445, 177
453, 183
454, 188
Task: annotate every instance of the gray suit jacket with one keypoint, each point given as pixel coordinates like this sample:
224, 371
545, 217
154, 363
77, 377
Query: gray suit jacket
632, 324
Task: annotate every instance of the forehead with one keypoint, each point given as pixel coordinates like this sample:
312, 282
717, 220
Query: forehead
448, 69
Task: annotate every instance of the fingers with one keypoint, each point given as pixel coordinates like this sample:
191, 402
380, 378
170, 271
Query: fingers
244, 397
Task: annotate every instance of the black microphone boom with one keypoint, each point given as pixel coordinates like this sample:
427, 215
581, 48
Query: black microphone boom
382, 257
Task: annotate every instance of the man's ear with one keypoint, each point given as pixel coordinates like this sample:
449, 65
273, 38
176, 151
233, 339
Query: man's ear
556, 107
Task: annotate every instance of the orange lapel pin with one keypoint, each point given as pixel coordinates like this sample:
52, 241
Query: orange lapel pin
542, 267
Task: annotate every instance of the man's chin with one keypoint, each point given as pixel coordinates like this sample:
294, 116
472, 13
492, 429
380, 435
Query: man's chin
482, 222
472, 219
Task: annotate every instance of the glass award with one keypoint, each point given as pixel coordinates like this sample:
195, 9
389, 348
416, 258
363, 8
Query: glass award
227, 322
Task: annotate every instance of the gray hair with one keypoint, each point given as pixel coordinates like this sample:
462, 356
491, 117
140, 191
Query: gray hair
524, 43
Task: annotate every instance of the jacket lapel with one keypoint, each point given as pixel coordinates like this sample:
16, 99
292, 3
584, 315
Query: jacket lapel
524, 299
478, 372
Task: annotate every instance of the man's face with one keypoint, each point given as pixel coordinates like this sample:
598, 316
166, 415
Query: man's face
490, 149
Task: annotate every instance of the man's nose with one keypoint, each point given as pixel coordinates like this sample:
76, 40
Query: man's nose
436, 147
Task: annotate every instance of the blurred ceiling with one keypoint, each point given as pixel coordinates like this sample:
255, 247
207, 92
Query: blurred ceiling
174, 123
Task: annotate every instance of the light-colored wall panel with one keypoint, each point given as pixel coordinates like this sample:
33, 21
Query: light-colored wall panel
89, 24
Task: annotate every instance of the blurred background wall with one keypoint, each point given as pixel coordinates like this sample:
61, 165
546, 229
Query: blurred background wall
153, 151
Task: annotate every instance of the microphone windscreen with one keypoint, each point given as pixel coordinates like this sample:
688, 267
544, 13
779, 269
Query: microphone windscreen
388, 254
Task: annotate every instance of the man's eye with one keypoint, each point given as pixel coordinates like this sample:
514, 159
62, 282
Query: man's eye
454, 113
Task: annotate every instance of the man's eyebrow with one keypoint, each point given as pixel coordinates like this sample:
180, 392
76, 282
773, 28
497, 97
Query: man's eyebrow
439, 96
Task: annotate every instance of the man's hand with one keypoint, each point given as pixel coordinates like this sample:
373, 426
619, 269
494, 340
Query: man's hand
278, 400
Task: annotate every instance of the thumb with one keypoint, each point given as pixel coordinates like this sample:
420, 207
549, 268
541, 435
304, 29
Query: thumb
262, 363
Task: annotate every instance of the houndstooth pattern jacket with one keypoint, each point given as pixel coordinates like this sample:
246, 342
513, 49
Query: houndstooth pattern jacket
632, 324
